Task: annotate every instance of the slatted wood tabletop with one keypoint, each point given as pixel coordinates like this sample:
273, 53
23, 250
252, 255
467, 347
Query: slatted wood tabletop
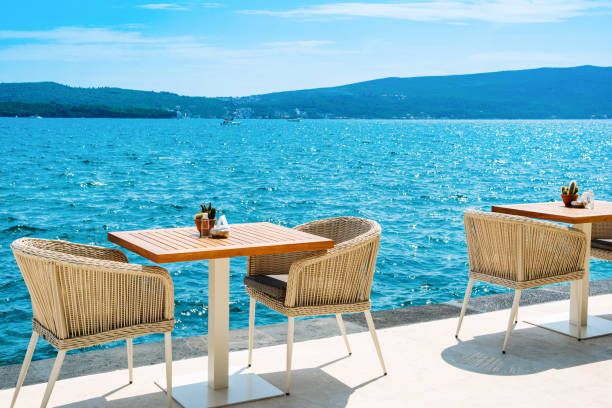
556, 211
185, 244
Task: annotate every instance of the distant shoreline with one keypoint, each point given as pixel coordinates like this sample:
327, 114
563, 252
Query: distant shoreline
284, 119
56, 110
544, 93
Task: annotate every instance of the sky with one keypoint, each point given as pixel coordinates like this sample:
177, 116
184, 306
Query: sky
238, 48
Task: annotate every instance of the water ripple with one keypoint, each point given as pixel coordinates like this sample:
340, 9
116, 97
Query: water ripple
77, 179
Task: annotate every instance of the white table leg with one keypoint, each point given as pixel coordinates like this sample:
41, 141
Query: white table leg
222, 386
218, 323
579, 290
580, 325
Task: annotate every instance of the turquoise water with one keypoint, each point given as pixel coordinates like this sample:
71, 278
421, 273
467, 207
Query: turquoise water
76, 179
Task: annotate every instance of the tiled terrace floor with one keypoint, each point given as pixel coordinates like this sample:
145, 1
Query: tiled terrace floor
427, 367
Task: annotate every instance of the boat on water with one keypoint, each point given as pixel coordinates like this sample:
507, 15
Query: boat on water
229, 122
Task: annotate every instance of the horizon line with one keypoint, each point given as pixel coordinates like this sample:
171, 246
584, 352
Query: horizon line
310, 89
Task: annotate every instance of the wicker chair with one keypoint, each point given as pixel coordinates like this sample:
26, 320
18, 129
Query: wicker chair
601, 244
85, 295
316, 283
520, 253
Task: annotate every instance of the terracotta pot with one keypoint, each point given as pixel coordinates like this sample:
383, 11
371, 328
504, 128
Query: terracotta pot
204, 226
567, 199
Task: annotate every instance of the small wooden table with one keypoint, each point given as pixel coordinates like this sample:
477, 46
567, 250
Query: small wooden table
580, 325
219, 388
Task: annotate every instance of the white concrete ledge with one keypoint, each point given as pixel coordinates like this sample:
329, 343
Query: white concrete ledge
427, 367
106, 360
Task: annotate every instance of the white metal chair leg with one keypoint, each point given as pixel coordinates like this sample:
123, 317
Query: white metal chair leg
466, 299
513, 315
251, 328
130, 352
368, 316
341, 325
25, 366
53, 377
168, 353
290, 327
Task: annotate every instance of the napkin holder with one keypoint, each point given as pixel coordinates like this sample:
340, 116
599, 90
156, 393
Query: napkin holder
586, 200
222, 229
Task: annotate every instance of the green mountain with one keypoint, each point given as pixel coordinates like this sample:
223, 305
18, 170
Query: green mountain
578, 92
56, 110
46, 92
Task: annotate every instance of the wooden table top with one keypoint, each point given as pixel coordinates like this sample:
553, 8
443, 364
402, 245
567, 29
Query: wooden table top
556, 211
185, 244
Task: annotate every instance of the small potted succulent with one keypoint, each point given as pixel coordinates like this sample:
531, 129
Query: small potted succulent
205, 219
569, 194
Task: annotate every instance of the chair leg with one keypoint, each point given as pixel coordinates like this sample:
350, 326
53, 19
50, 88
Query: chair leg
516, 316
466, 299
251, 328
25, 366
53, 377
130, 352
368, 316
341, 325
168, 353
513, 315
290, 327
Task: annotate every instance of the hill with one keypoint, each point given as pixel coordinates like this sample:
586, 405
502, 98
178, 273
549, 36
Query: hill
578, 92
46, 92
56, 110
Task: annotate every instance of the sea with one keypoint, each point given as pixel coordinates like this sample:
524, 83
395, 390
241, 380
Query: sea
78, 179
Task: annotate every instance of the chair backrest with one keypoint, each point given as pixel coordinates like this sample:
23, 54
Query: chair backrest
343, 230
75, 295
601, 230
346, 272
521, 249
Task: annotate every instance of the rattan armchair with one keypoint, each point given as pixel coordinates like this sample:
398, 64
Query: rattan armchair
601, 244
85, 295
520, 253
316, 283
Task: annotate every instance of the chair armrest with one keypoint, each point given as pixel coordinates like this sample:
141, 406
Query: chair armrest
84, 296
552, 250
602, 230
522, 249
341, 275
87, 251
332, 228
274, 264
149, 289
343, 238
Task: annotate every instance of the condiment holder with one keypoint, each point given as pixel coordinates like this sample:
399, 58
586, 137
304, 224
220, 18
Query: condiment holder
222, 229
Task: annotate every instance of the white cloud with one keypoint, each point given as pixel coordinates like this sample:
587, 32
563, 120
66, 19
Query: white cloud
192, 65
177, 6
305, 43
86, 44
497, 11
132, 26
82, 35
107, 44
163, 6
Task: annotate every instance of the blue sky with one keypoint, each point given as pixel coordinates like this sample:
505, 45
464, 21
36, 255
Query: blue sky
234, 48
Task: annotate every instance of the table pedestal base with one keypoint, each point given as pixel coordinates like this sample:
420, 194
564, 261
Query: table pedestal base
595, 327
192, 390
